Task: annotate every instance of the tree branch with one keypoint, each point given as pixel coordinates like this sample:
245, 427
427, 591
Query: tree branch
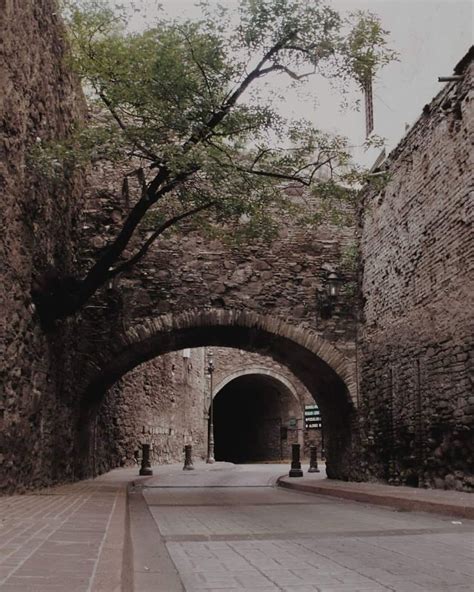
251, 171
98, 273
123, 127
219, 115
273, 175
144, 249
196, 61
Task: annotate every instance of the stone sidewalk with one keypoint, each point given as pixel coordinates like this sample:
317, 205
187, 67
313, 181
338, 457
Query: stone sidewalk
450, 503
70, 537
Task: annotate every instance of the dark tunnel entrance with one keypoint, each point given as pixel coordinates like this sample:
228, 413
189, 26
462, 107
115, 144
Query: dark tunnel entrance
250, 416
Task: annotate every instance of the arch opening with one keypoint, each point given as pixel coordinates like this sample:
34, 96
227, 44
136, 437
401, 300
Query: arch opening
251, 415
323, 370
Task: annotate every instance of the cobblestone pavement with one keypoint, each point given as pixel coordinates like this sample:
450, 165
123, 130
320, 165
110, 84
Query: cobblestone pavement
230, 530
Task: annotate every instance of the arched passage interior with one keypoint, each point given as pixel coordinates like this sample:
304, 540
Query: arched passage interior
318, 365
251, 416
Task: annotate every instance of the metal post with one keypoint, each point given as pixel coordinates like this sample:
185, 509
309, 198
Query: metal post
295, 470
313, 460
145, 469
210, 441
188, 458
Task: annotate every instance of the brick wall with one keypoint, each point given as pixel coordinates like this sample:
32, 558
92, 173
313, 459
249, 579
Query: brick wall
417, 253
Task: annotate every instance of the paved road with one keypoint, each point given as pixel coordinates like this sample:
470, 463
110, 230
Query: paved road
229, 530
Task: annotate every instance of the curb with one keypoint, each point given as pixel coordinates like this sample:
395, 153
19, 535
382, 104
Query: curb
151, 565
384, 499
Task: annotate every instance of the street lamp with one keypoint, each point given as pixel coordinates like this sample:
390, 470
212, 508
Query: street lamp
210, 440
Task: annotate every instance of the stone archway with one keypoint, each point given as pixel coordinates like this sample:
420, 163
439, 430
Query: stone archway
327, 374
260, 370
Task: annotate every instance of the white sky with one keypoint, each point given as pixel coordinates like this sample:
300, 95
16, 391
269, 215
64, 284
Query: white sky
431, 36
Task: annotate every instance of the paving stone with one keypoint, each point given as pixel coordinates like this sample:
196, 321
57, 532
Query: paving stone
341, 547
57, 542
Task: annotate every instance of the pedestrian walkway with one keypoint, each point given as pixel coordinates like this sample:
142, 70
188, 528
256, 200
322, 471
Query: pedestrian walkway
67, 538
450, 503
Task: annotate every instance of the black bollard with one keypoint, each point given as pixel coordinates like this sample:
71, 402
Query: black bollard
295, 470
188, 458
145, 469
313, 460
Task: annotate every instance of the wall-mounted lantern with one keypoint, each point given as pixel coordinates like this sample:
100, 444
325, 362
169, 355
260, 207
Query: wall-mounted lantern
329, 294
210, 363
332, 282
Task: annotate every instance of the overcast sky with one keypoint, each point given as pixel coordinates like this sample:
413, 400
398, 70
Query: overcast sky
431, 36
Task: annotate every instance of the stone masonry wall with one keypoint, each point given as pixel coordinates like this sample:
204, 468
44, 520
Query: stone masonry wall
185, 270
162, 403
39, 100
417, 251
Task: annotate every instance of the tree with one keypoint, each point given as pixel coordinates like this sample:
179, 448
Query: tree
182, 103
